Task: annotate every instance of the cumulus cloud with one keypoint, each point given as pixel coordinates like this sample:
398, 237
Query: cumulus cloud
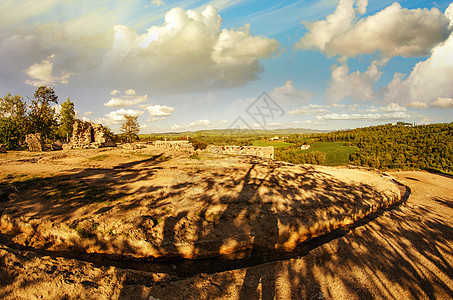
289, 94
117, 116
311, 109
356, 85
394, 31
129, 98
188, 52
365, 117
159, 110
429, 79
195, 124
88, 113
444, 102
392, 107
42, 73
417, 104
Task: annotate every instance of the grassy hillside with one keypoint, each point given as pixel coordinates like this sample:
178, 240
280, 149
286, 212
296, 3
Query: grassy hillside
337, 153
275, 144
233, 132
426, 147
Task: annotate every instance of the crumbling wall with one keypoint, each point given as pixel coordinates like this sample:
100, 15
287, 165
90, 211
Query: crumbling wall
266, 152
89, 135
34, 142
175, 145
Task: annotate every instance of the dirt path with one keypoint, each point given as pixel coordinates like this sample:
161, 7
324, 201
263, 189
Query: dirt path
403, 254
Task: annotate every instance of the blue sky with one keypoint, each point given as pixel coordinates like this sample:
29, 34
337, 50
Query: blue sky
190, 65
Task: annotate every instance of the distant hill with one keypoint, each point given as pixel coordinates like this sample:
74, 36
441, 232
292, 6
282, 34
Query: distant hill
217, 132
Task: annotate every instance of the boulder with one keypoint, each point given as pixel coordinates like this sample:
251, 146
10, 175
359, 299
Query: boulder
2, 148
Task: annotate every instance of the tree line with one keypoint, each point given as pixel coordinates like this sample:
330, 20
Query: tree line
399, 146
17, 119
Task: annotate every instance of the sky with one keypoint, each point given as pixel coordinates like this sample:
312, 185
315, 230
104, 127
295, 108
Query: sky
194, 65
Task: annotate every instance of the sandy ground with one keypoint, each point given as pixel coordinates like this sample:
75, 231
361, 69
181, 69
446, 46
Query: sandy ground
403, 254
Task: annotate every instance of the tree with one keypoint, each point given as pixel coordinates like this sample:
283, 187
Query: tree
42, 116
13, 121
67, 118
131, 127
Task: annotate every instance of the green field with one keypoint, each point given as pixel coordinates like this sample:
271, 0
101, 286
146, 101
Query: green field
336, 152
276, 144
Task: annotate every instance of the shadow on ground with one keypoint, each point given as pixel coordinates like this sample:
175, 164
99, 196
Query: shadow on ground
409, 246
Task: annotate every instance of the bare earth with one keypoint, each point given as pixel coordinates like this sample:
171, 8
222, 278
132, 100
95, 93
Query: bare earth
146, 203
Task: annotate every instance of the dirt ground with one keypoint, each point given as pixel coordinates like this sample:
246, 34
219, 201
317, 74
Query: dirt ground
183, 206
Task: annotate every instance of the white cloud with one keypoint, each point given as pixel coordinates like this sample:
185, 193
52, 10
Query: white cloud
392, 107
130, 92
195, 124
88, 113
444, 102
222, 122
417, 104
155, 119
365, 117
394, 31
130, 98
157, 2
356, 85
117, 116
190, 51
289, 94
159, 110
41, 73
429, 79
311, 109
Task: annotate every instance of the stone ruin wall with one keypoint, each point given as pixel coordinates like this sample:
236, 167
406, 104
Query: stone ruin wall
34, 142
266, 152
175, 145
89, 135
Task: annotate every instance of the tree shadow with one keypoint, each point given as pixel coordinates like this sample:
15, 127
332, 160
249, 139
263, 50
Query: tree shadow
258, 210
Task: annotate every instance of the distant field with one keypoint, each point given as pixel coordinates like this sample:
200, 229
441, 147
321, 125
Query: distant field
336, 152
276, 144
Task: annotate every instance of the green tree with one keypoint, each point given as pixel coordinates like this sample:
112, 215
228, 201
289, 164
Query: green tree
13, 121
131, 127
42, 117
67, 118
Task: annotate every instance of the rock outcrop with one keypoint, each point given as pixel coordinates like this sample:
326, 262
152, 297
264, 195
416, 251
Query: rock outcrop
89, 135
34, 142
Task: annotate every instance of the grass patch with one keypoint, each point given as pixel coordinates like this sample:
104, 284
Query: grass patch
98, 157
87, 231
336, 152
63, 189
275, 144
195, 156
156, 157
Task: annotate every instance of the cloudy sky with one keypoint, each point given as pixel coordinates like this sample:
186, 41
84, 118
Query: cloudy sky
189, 65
